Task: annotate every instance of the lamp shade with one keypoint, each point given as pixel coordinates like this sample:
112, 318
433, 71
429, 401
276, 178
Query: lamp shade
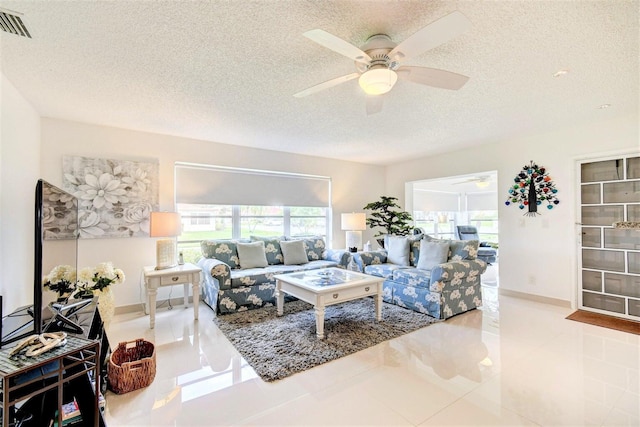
353, 221
377, 81
165, 224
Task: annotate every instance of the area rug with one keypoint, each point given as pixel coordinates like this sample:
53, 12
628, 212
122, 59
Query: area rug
277, 347
610, 322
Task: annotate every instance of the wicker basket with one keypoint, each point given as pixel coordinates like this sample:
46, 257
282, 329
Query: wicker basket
132, 366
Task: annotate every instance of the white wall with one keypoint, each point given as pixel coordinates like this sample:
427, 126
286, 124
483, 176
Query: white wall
537, 255
353, 184
19, 171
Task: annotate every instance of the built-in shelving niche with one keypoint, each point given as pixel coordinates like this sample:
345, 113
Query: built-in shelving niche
610, 257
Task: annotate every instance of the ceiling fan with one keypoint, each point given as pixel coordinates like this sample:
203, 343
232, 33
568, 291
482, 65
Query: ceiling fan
379, 61
482, 181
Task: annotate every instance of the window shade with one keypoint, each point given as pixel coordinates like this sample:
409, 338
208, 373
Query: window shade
487, 201
435, 201
202, 184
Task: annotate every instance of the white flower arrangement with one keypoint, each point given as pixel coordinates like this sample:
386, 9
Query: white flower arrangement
98, 278
61, 279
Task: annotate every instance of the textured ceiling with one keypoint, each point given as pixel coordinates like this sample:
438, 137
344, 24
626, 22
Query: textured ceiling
226, 71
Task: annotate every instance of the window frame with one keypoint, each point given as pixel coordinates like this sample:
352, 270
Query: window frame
236, 221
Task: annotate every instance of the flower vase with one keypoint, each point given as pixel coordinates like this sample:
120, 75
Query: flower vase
106, 305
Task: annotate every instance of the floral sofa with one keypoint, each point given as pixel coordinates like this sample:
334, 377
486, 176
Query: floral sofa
438, 277
228, 287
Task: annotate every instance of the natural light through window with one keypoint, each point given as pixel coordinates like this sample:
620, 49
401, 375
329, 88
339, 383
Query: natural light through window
206, 222
219, 202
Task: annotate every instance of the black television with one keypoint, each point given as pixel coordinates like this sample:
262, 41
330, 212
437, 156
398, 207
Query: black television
56, 231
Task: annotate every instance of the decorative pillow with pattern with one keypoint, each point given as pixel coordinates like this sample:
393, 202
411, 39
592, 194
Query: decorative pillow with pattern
314, 247
223, 250
272, 248
373, 257
463, 249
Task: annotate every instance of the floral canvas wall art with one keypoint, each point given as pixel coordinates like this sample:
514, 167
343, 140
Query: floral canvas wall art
115, 197
59, 214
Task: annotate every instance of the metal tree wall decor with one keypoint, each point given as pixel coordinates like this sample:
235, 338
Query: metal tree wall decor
531, 187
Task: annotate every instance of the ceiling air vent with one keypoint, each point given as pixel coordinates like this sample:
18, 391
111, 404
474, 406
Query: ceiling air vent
11, 22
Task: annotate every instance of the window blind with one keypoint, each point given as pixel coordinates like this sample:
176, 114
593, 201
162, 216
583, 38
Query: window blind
486, 201
435, 201
204, 184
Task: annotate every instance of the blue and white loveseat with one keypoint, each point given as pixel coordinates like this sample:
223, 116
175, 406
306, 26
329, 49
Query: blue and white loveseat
228, 287
438, 277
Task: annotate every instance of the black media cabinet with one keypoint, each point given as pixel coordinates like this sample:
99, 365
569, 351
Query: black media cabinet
39, 385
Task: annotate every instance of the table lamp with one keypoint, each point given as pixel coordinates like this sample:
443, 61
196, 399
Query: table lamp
168, 225
353, 224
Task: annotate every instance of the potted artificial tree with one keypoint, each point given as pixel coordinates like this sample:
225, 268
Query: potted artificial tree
386, 213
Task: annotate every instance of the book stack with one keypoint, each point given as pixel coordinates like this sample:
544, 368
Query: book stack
70, 415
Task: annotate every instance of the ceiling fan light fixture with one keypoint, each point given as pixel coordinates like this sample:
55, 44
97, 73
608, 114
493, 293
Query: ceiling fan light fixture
482, 184
560, 73
377, 81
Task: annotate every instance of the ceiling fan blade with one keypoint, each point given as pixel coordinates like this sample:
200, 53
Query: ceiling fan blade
466, 181
433, 77
433, 35
326, 85
336, 44
374, 104
483, 178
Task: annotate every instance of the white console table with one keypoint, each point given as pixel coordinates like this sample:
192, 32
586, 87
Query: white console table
187, 274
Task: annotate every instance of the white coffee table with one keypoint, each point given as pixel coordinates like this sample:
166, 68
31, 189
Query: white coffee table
326, 287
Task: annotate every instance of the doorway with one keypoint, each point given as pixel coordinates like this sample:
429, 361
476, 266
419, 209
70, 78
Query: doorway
609, 236
439, 205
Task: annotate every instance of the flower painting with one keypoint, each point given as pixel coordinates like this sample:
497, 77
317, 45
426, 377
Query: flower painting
115, 197
59, 214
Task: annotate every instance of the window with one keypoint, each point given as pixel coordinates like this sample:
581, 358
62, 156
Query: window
440, 205
200, 220
487, 224
308, 221
260, 221
439, 224
219, 202
482, 212
204, 222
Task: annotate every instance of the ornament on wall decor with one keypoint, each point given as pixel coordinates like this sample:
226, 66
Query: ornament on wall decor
532, 186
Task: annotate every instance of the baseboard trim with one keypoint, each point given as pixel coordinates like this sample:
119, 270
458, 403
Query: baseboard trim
139, 307
136, 308
536, 298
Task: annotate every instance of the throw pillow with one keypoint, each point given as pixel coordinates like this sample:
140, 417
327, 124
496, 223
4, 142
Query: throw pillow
294, 253
414, 248
398, 252
463, 249
223, 250
252, 255
432, 253
314, 247
271, 248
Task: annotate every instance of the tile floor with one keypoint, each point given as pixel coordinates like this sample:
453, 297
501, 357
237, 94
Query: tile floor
515, 362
